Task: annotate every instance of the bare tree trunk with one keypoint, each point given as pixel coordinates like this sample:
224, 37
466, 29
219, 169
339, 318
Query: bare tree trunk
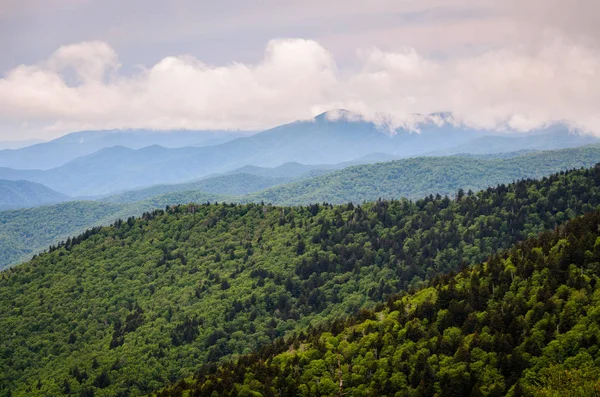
340, 375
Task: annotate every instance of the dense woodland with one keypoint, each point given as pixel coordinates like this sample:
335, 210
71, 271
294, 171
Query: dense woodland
418, 177
226, 185
525, 323
20, 194
28, 231
127, 309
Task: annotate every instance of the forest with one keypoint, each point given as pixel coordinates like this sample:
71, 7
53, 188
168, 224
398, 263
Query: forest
418, 177
28, 231
524, 323
130, 308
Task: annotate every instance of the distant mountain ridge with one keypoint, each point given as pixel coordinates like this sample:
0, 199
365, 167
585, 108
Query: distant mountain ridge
555, 137
233, 185
316, 142
18, 144
20, 194
420, 176
55, 153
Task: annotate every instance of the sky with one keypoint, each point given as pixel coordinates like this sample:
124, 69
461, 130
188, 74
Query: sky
70, 65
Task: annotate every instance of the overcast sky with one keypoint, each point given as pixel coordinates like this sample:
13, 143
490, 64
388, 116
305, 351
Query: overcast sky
69, 65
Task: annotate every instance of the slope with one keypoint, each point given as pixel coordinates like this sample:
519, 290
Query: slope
233, 185
123, 310
418, 177
28, 231
20, 194
526, 323
244, 180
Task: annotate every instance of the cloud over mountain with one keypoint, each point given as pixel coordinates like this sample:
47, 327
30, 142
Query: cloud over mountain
521, 87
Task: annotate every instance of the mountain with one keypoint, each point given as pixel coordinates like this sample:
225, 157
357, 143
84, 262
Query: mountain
524, 323
19, 144
28, 231
289, 170
322, 140
24, 235
52, 154
550, 139
232, 185
19, 194
127, 309
245, 180
421, 176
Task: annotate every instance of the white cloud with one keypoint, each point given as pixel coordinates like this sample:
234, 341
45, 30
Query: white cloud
80, 87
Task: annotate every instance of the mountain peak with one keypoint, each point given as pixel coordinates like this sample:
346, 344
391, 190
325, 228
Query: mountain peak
339, 115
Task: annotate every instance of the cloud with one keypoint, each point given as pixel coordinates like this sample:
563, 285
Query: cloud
80, 87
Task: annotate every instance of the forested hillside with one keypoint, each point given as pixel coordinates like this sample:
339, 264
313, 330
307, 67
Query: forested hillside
231, 185
525, 323
126, 309
418, 177
21, 233
28, 231
20, 194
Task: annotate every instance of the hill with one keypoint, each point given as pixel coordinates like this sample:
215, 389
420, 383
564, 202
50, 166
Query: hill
232, 185
20, 194
525, 323
126, 309
418, 177
28, 231
55, 153
289, 170
244, 180
409, 177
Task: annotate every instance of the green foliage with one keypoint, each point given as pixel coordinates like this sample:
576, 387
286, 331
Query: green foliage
19, 194
23, 233
418, 177
525, 323
150, 300
231, 185
28, 231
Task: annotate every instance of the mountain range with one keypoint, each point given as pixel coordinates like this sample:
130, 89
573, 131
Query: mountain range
319, 141
55, 153
322, 257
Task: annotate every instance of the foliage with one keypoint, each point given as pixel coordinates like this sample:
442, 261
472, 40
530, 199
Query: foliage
147, 301
28, 231
418, 177
232, 185
524, 323
19, 194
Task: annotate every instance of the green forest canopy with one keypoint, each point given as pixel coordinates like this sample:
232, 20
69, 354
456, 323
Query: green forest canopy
26, 232
127, 309
525, 323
